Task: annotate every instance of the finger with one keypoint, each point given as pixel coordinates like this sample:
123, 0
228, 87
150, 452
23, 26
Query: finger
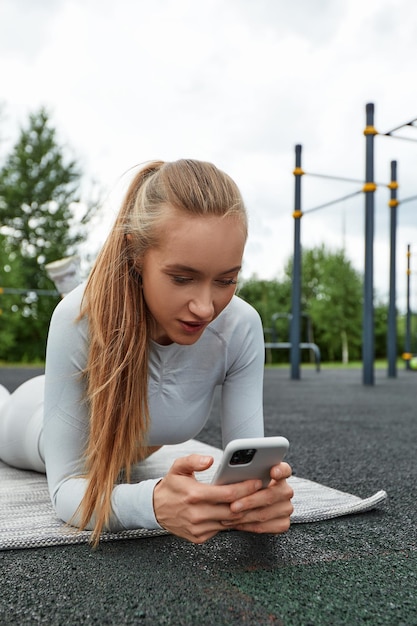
200, 523
267, 519
187, 465
281, 471
226, 494
275, 493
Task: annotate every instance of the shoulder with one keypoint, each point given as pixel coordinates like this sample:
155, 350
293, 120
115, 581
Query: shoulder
241, 309
239, 329
70, 306
238, 317
65, 320
67, 337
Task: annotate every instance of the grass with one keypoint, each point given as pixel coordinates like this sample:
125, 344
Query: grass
22, 365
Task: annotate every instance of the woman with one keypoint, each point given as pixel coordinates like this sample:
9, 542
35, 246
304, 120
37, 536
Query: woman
134, 357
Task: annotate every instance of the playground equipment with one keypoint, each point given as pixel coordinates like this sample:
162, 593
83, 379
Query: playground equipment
392, 309
368, 188
409, 358
286, 345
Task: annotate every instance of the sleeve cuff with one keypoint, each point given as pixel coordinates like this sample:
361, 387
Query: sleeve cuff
133, 506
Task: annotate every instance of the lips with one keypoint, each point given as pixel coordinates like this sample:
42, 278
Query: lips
193, 327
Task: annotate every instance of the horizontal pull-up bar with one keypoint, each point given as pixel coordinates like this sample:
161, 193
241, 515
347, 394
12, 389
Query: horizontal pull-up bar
410, 123
39, 292
327, 204
347, 180
341, 178
399, 137
409, 199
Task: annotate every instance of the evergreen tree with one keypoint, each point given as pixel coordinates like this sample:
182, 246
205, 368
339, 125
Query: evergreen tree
10, 272
39, 191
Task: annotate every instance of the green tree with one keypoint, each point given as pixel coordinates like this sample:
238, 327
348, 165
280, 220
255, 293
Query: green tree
10, 271
270, 297
267, 297
39, 193
332, 297
381, 329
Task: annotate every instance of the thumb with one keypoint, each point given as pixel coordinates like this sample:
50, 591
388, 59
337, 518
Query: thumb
187, 465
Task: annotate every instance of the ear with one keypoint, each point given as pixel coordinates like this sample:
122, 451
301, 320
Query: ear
129, 237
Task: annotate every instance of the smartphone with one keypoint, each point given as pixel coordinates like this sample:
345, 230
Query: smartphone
244, 459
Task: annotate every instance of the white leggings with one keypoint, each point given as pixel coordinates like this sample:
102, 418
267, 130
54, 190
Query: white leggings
21, 425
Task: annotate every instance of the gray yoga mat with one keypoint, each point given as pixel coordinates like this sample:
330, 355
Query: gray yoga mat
27, 518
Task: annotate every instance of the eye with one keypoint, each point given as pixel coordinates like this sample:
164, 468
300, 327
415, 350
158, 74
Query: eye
181, 280
226, 282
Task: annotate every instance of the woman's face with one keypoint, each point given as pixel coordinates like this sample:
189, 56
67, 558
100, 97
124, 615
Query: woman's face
191, 275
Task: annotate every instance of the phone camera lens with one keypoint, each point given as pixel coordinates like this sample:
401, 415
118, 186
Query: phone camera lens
243, 457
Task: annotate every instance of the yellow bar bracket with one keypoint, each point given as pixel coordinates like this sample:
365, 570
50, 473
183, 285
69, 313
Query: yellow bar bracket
370, 130
393, 185
369, 187
393, 203
407, 356
297, 214
298, 171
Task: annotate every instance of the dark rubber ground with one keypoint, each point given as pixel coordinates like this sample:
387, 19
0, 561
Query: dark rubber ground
355, 570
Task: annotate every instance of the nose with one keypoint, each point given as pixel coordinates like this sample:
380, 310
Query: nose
202, 305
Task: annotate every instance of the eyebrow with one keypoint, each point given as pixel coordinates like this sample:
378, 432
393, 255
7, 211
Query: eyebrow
192, 270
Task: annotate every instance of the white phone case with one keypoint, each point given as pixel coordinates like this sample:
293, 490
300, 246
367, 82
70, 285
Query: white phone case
244, 459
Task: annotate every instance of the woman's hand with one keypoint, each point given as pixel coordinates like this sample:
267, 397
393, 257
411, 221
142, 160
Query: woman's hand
197, 511
194, 510
268, 510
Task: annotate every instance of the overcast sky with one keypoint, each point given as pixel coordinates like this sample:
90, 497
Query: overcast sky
238, 83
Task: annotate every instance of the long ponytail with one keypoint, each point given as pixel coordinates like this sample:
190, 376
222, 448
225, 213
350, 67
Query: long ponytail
117, 367
120, 325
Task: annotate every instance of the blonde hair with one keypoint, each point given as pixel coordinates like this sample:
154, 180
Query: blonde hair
119, 324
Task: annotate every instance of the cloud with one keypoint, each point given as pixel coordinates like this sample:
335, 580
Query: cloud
25, 26
238, 83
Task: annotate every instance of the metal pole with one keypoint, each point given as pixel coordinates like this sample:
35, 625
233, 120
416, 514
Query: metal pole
392, 309
368, 340
295, 330
407, 355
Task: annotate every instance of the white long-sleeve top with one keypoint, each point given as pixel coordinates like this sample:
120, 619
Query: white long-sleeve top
182, 381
